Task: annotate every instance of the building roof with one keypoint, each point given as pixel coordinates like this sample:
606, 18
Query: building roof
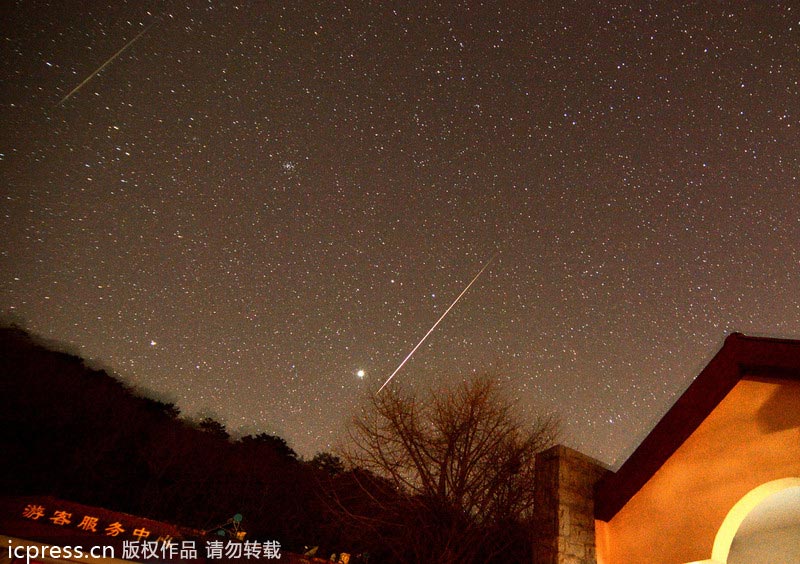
741, 357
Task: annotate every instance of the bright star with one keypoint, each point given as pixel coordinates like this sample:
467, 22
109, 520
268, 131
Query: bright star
361, 374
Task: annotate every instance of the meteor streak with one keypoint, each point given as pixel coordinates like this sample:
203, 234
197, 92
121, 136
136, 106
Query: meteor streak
104, 65
464, 291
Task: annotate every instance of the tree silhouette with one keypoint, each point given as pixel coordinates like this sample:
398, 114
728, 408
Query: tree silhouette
213, 427
328, 463
459, 466
273, 442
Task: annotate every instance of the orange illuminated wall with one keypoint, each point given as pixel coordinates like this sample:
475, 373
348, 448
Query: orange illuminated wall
751, 437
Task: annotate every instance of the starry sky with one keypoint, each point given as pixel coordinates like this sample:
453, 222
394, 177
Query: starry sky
252, 202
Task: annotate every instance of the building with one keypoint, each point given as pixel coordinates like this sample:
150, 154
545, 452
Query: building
717, 480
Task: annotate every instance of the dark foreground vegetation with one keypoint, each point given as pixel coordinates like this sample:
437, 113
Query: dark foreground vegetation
77, 433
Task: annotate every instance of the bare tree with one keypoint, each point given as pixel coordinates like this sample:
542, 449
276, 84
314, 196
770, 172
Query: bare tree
461, 465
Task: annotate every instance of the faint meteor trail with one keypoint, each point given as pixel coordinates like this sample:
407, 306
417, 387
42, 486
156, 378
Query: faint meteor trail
464, 291
104, 65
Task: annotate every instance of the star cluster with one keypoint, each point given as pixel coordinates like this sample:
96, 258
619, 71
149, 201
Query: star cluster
257, 209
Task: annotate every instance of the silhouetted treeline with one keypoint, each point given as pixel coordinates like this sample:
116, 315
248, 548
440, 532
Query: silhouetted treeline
77, 433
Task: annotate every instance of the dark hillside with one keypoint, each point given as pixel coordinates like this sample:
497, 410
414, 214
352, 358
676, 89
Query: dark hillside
77, 433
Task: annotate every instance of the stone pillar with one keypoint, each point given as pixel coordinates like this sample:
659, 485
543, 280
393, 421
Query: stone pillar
564, 510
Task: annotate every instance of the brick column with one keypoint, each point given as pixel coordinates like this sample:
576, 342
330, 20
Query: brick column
564, 510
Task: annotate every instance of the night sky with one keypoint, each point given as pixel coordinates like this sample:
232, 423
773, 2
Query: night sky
255, 201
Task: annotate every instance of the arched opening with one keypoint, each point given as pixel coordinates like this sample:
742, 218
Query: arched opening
765, 523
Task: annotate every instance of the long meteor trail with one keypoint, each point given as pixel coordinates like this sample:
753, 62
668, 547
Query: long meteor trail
464, 291
104, 65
